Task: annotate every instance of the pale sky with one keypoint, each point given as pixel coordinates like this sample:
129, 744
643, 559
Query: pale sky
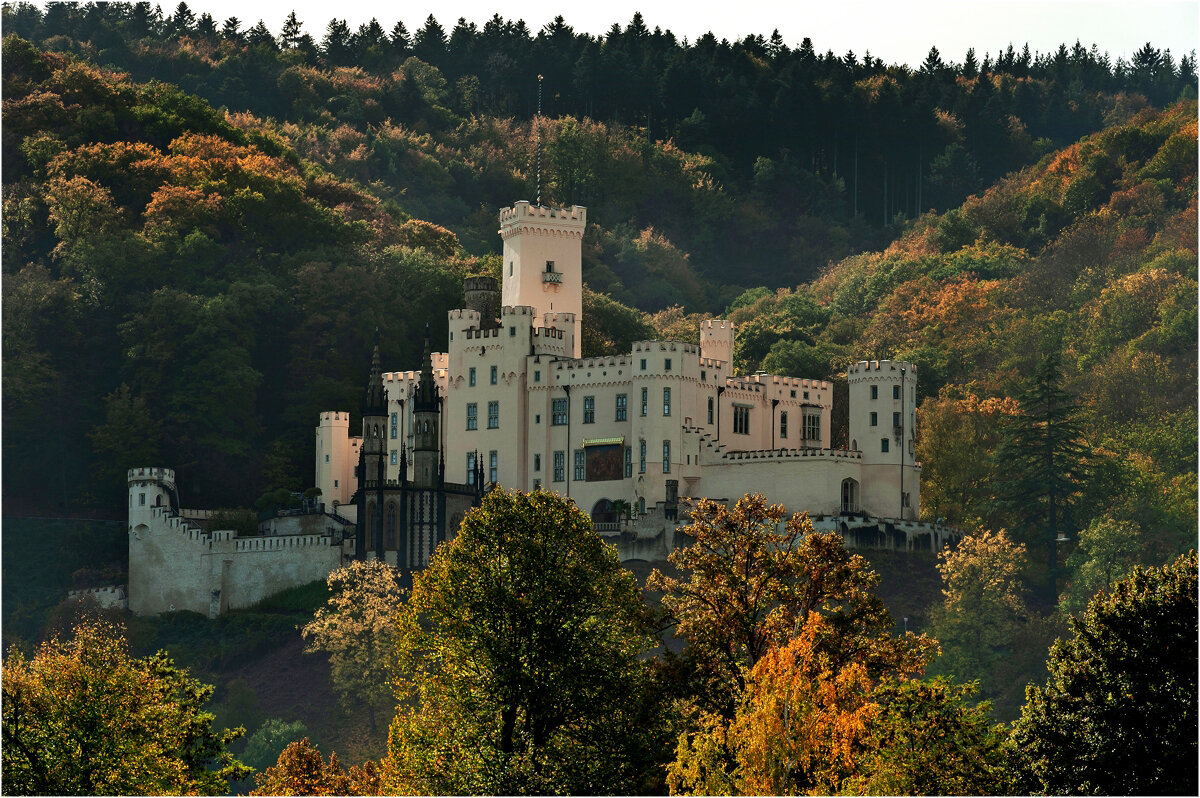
893, 31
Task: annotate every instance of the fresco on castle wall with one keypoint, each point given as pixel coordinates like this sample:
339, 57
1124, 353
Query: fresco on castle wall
604, 463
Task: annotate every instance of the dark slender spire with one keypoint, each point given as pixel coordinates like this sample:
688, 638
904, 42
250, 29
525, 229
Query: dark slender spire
375, 398
426, 398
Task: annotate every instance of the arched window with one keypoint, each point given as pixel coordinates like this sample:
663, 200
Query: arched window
849, 496
389, 533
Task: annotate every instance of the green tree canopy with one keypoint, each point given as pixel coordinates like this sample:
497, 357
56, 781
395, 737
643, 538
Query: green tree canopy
519, 667
1117, 715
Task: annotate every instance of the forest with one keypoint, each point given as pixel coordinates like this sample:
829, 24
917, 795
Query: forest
205, 221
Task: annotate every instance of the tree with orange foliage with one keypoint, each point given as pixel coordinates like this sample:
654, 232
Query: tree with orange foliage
301, 771
751, 588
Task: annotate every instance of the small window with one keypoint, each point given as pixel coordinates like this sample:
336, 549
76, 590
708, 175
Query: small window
335, 483
472, 415
579, 465
537, 462
628, 461
643, 364
512, 332
559, 412
667, 364
710, 411
142, 499
495, 375
549, 266
895, 419
493, 415
874, 419
703, 375
493, 466
326, 458
622, 401
895, 391
874, 391
589, 410
537, 376
470, 468
645, 400
642, 457
883, 444
393, 457
783, 424
537, 418
794, 395
560, 466
471, 376
805, 394
666, 401
666, 457
537, 484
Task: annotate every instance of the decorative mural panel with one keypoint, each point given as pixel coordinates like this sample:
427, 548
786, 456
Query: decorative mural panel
605, 462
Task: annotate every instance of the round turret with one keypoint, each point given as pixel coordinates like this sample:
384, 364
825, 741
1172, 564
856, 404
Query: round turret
483, 296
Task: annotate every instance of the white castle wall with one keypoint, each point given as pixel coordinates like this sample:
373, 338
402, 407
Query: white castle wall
176, 566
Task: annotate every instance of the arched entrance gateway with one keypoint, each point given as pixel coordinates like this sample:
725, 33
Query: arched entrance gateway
603, 513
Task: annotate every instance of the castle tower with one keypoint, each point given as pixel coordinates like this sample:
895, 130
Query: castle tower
716, 341
882, 420
543, 261
483, 297
427, 416
371, 460
152, 497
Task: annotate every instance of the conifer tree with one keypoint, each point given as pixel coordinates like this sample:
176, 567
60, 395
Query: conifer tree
1043, 461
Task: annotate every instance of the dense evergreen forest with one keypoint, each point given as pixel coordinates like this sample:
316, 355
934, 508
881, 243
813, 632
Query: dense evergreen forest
205, 222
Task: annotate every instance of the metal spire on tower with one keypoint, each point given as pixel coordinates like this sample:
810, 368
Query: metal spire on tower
538, 133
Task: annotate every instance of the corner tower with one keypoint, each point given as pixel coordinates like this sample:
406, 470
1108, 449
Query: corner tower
543, 261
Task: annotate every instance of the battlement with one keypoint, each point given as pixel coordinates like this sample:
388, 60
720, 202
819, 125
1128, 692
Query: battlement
474, 333
711, 326
719, 450
791, 382
480, 283
517, 310
335, 418
524, 210
712, 363
164, 476
547, 332
665, 346
864, 368
553, 319
464, 314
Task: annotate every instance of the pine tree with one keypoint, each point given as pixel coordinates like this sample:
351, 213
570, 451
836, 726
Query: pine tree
289, 37
1045, 460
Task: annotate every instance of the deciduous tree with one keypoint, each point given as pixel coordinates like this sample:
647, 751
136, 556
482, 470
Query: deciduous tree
301, 771
750, 588
1117, 715
519, 667
357, 626
83, 717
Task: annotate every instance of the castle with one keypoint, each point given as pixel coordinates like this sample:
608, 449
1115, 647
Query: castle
512, 403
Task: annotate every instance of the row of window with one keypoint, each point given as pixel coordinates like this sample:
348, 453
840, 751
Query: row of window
875, 391
895, 420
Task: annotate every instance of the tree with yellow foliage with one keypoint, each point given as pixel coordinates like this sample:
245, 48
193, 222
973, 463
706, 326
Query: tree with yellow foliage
357, 626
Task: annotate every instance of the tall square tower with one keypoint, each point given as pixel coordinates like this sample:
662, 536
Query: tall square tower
543, 261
